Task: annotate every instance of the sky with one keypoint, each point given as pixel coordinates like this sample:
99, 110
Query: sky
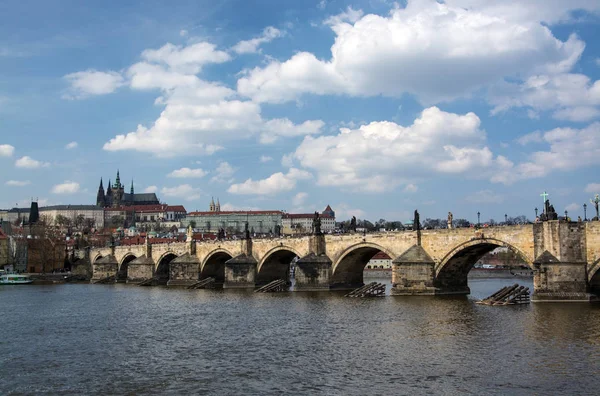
374, 107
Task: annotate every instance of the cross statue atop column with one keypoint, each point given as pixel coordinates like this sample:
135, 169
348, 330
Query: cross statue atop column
545, 196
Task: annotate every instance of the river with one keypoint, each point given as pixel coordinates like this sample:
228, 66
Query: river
122, 339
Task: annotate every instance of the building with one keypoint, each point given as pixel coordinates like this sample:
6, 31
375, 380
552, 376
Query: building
167, 215
75, 214
259, 221
115, 196
4, 255
302, 223
380, 261
17, 215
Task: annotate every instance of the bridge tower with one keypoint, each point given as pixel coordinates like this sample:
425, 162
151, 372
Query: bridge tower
240, 271
313, 271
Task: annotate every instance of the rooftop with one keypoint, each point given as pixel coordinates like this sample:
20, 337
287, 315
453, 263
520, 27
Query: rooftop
240, 212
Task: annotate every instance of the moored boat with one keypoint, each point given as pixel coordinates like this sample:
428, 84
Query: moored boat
15, 279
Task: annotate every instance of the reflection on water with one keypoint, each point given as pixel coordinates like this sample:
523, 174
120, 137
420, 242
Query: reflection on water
122, 339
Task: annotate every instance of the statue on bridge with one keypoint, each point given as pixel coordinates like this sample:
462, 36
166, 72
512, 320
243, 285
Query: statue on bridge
246, 231
353, 224
221, 234
316, 225
450, 217
416, 222
189, 234
595, 201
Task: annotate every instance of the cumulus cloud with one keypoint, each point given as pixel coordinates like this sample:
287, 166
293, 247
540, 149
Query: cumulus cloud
223, 173
198, 116
252, 46
68, 187
151, 189
274, 184
435, 51
92, 82
183, 191
533, 137
299, 198
572, 207
265, 158
370, 157
568, 149
571, 97
187, 173
6, 150
71, 146
18, 183
30, 163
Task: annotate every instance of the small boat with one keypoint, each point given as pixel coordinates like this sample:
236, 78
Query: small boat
15, 279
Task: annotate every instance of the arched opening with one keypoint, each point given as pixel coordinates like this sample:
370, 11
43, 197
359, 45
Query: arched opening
215, 267
349, 271
163, 269
595, 281
276, 265
489, 265
122, 273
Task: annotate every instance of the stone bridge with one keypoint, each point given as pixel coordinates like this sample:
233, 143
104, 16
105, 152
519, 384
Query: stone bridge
564, 256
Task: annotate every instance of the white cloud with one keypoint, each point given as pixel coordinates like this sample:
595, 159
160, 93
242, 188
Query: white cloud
571, 97
183, 191
187, 173
411, 188
350, 15
223, 173
189, 59
485, 197
6, 150
71, 145
251, 46
572, 207
274, 184
322, 4
265, 158
198, 116
344, 211
287, 160
183, 33
18, 183
593, 188
68, 187
569, 149
92, 82
533, 137
299, 198
151, 189
369, 158
432, 50
29, 163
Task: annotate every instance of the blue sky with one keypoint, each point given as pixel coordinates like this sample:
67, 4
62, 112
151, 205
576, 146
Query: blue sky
374, 107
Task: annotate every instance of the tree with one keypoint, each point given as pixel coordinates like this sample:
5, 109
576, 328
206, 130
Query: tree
434, 223
79, 220
88, 224
461, 223
117, 221
62, 221
193, 223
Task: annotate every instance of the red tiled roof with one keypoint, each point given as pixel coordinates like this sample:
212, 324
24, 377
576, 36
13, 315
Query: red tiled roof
175, 208
381, 256
306, 215
225, 212
148, 208
328, 209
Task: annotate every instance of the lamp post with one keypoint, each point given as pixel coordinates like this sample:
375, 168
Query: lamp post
566, 215
505, 218
584, 212
478, 216
536, 210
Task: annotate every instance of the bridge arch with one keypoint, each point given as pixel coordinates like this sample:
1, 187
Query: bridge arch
213, 265
276, 264
594, 277
451, 272
348, 269
124, 266
163, 267
96, 257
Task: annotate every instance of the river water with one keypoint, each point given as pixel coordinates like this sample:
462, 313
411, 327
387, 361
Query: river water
121, 339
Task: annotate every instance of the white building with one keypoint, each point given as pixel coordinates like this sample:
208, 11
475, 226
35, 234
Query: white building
302, 223
72, 212
380, 261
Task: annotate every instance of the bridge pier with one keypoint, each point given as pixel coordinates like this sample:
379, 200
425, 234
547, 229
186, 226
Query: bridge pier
184, 270
104, 267
413, 273
240, 271
313, 271
140, 269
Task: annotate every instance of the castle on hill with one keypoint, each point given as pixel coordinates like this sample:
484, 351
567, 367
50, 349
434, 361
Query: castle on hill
115, 196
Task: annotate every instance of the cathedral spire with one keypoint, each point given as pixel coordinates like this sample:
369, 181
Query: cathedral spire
131, 187
212, 204
118, 181
100, 196
218, 207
